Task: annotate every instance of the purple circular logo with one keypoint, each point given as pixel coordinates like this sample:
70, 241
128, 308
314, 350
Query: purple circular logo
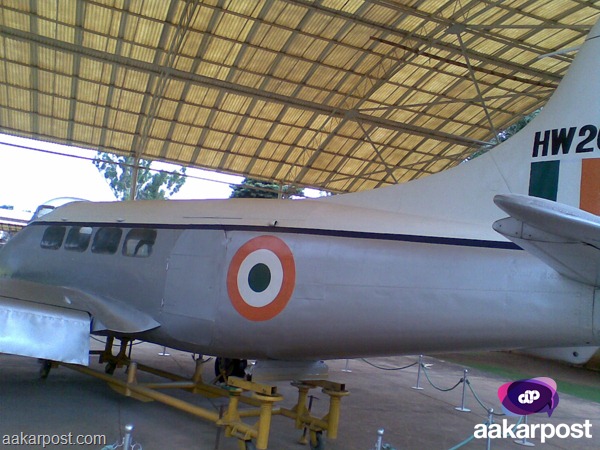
524, 397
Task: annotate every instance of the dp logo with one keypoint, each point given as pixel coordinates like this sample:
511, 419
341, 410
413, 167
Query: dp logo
529, 397
524, 397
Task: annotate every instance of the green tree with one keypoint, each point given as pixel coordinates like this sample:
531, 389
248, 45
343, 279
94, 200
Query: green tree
517, 126
503, 135
151, 184
252, 188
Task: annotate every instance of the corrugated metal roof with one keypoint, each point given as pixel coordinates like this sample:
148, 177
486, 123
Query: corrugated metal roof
342, 95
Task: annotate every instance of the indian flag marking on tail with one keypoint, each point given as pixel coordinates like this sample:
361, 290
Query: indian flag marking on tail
543, 179
590, 186
573, 182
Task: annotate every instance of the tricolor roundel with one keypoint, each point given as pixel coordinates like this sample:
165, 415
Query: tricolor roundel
261, 278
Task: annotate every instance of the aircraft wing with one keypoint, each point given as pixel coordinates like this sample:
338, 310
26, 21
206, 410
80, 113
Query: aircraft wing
564, 237
54, 322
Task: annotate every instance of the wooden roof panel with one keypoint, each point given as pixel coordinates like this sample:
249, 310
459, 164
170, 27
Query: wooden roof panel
336, 94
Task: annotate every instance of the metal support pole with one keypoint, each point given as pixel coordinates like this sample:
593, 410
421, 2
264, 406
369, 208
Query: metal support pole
127, 440
333, 418
233, 414
197, 377
150, 393
264, 419
379, 439
418, 386
131, 378
122, 355
524, 442
301, 405
347, 368
462, 404
488, 444
134, 176
304, 439
106, 355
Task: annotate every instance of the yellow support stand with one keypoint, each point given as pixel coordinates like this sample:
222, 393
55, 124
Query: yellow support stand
262, 400
302, 417
333, 418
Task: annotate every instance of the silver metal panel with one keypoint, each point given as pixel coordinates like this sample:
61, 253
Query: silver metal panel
192, 286
564, 237
571, 355
107, 313
43, 331
269, 370
355, 297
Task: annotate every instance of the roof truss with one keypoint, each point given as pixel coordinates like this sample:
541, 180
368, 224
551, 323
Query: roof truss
342, 95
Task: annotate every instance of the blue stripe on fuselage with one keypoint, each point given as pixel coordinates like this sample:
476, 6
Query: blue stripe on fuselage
440, 240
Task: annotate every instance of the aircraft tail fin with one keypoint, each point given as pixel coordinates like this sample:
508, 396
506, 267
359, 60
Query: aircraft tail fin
556, 157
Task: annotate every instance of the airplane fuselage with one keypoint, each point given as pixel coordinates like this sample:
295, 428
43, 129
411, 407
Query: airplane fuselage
277, 289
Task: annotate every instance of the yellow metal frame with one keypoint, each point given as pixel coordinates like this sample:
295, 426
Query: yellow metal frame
262, 397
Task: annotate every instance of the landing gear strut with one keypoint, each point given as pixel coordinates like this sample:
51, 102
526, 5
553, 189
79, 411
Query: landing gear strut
45, 367
226, 367
249, 445
113, 362
317, 441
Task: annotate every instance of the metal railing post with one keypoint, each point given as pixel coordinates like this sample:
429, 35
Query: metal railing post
462, 404
418, 386
488, 444
524, 442
347, 367
379, 443
127, 440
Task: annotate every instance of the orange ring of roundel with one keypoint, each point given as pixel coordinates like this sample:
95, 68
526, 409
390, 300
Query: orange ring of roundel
283, 252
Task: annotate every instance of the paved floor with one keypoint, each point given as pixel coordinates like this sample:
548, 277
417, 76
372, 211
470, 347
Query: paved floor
69, 402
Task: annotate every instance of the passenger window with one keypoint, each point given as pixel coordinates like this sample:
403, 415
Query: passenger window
139, 242
53, 237
106, 240
78, 239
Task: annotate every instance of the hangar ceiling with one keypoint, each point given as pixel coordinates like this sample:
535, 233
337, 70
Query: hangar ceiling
341, 95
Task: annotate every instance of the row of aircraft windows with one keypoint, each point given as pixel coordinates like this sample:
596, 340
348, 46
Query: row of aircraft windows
138, 241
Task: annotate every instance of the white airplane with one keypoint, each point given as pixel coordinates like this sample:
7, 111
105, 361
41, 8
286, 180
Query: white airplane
428, 266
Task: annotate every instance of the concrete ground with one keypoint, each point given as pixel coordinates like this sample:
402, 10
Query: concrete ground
70, 402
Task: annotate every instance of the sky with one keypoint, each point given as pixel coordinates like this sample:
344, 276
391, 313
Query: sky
34, 172
29, 177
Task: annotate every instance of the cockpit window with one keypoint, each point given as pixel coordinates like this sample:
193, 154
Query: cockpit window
106, 240
41, 211
139, 242
53, 237
78, 239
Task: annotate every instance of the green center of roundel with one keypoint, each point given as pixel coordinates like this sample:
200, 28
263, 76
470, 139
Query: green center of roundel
259, 277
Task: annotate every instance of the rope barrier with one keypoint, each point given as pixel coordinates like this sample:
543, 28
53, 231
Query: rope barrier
388, 368
464, 380
438, 388
487, 424
467, 440
480, 402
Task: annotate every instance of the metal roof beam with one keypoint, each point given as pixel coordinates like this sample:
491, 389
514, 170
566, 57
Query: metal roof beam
347, 72
237, 89
130, 152
428, 41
